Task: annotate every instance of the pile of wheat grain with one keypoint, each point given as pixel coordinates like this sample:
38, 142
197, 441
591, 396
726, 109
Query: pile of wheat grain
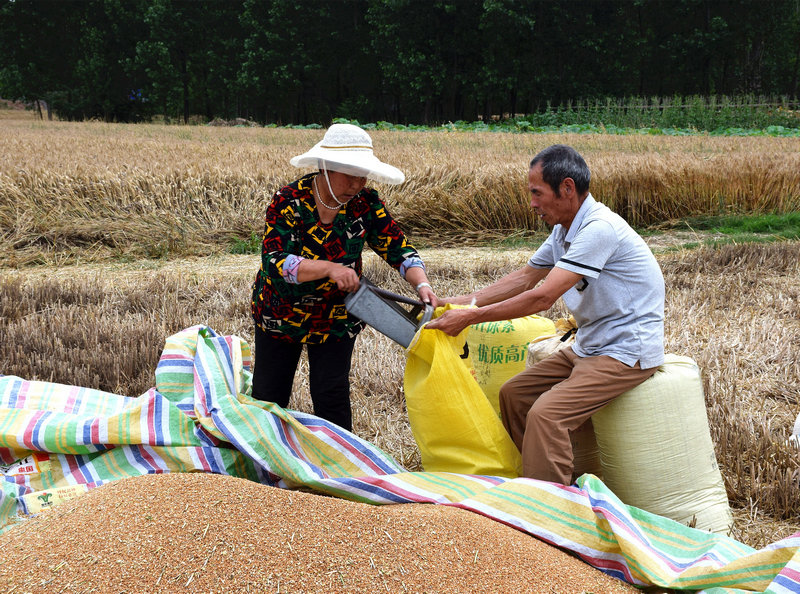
212, 533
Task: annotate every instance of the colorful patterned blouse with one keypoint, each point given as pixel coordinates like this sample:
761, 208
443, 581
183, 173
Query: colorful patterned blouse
314, 311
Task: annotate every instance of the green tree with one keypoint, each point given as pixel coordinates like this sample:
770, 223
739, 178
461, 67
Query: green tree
39, 51
189, 55
409, 61
106, 81
426, 51
279, 61
305, 60
506, 58
715, 47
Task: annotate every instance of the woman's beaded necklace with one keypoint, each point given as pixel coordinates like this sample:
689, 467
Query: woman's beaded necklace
321, 201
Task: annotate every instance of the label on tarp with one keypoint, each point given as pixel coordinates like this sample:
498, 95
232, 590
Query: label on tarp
36, 463
33, 503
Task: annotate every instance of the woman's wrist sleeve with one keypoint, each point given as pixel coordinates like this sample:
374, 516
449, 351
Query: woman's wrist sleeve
413, 262
290, 267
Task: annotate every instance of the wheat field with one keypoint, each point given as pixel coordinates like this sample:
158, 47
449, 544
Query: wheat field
76, 191
116, 236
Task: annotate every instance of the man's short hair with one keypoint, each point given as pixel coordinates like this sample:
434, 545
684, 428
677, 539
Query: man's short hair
559, 162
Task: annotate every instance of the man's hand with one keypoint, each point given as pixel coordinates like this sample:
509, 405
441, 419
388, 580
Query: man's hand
457, 300
453, 321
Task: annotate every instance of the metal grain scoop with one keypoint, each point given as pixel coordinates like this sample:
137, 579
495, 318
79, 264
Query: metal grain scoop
381, 309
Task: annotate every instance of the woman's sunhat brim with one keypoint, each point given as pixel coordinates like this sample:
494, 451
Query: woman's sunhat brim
350, 160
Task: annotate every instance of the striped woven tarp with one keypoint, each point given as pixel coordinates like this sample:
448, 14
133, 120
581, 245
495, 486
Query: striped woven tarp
58, 440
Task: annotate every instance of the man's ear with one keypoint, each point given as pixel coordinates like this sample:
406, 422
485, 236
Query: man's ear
567, 187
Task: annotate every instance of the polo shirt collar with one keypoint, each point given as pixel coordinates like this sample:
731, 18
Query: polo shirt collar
577, 222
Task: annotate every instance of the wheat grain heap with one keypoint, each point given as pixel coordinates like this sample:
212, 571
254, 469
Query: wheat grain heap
213, 533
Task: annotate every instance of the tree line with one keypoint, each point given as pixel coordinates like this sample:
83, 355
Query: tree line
403, 61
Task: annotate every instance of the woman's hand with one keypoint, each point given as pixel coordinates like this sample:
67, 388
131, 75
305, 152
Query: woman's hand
426, 295
345, 278
415, 276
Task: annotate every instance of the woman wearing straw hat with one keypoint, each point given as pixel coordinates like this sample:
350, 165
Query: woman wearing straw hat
315, 231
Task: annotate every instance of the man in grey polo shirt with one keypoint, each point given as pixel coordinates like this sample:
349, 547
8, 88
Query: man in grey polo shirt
610, 282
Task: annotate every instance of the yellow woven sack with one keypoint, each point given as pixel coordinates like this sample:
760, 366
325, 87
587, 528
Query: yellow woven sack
656, 450
499, 351
453, 423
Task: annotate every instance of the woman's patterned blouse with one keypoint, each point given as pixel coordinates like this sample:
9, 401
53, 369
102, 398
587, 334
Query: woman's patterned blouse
314, 311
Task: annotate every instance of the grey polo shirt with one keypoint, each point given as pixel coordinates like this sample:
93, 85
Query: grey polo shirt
619, 302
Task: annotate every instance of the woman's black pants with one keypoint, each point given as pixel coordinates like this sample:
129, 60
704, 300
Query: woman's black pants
328, 376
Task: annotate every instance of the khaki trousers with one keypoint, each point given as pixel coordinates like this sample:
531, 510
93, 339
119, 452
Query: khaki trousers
543, 404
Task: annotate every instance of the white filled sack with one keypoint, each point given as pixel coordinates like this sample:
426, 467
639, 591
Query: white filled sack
656, 451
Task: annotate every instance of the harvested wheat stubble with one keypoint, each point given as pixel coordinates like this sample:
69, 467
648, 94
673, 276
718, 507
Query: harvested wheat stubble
214, 533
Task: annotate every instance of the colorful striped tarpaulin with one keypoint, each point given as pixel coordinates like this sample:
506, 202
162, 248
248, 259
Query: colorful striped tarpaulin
58, 440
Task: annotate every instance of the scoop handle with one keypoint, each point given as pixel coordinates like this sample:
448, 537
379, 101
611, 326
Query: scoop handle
393, 296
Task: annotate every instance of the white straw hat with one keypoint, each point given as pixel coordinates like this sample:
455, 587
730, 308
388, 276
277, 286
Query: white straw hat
348, 149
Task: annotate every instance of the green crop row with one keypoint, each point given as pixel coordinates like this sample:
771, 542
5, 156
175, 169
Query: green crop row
525, 126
